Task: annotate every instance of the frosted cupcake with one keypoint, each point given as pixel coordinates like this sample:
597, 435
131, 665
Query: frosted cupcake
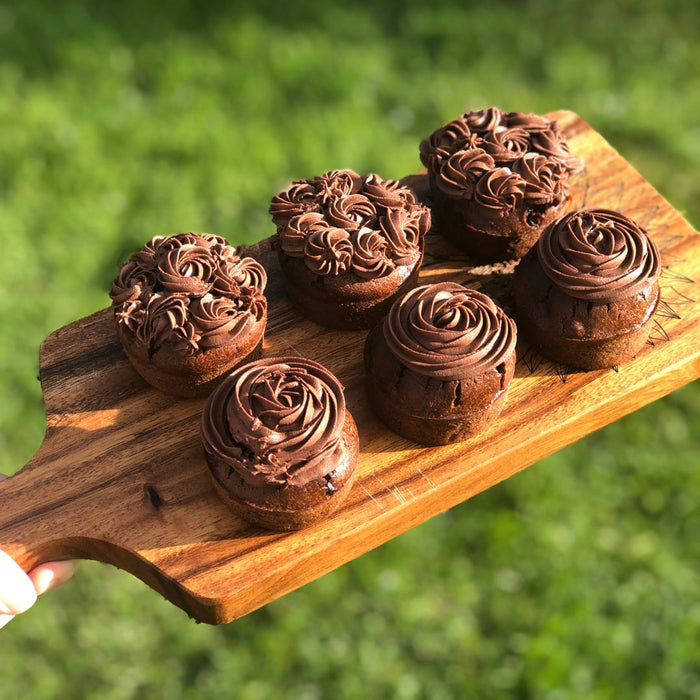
585, 295
188, 308
280, 443
348, 245
439, 365
497, 179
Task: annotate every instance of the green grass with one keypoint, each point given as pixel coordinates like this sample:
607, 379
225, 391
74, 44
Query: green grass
577, 578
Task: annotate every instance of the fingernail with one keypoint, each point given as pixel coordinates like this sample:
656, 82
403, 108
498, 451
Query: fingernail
64, 572
48, 576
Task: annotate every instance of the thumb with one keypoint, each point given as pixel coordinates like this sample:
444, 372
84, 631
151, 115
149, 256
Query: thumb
17, 592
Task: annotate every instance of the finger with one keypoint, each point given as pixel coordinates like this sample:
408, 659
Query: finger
17, 594
4, 619
51, 575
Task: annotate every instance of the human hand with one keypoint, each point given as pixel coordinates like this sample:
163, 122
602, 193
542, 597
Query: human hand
18, 591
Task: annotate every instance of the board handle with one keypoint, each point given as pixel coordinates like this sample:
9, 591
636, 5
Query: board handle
38, 525
28, 533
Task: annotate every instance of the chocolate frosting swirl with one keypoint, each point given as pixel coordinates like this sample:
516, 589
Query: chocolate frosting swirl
276, 421
387, 193
165, 319
298, 230
499, 191
463, 155
507, 144
189, 291
462, 170
134, 278
448, 332
219, 318
552, 143
598, 255
532, 123
336, 184
352, 212
329, 252
236, 276
544, 179
404, 230
299, 198
187, 268
448, 139
370, 254
483, 121
331, 232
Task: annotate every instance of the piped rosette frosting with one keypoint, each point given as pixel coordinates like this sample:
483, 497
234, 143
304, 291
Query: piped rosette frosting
501, 161
276, 422
448, 332
190, 292
598, 255
342, 223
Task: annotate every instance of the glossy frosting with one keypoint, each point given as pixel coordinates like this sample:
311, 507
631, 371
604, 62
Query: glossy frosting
598, 255
277, 421
500, 160
446, 331
341, 223
190, 291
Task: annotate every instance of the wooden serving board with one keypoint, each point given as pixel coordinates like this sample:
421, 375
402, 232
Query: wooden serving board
121, 476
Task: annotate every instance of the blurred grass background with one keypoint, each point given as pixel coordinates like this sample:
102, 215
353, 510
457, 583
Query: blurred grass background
577, 578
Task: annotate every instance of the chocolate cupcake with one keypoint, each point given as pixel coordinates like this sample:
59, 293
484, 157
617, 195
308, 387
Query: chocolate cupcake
188, 308
438, 366
585, 295
281, 446
497, 179
348, 245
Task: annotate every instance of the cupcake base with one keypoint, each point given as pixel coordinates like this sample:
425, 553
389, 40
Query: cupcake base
189, 376
586, 354
493, 240
345, 302
434, 431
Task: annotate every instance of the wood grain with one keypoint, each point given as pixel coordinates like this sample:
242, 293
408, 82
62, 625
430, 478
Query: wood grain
121, 477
